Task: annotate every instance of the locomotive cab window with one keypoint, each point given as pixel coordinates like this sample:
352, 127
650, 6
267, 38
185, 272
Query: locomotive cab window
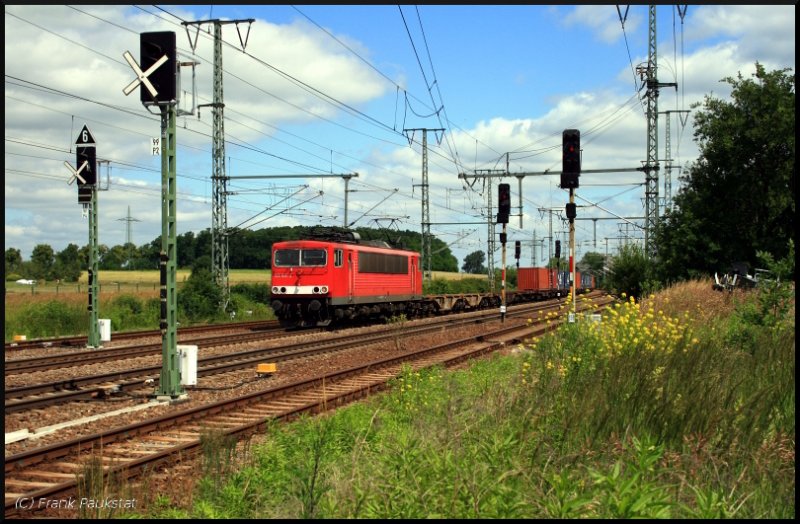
313, 257
298, 257
337, 258
287, 258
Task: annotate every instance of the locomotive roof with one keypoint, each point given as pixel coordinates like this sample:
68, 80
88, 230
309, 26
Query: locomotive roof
378, 244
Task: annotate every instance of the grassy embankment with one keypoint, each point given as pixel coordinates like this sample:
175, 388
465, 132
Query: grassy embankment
682, 406
128, 298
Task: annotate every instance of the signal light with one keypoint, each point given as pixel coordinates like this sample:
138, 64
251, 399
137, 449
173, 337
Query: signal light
572, 211
571, 158
152, 46
89, 173
558, 249
503, 203
517, 249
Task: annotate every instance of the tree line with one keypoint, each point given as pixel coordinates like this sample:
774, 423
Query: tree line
246, 250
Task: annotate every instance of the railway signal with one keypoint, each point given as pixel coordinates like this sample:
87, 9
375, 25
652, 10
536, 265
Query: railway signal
572, 211
503, 203
158, 72
86, 175
571, 158
158, 77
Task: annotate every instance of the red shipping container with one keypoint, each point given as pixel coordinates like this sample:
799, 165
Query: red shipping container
534, 279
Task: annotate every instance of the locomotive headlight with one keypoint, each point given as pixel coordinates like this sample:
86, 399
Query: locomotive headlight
283, 290
316, 289
324, 289
274, 289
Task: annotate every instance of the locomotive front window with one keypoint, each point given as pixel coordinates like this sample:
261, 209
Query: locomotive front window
300, 257
287, 258
314, 257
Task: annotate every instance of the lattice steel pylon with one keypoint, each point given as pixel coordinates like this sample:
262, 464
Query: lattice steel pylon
427, 256
128, 219
219, 205
426, 210
651, 166
668, 157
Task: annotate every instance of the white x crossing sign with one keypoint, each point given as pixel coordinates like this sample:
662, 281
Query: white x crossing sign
141, 77
76, 174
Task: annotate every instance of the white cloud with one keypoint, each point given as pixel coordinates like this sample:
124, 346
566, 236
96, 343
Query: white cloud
604, 21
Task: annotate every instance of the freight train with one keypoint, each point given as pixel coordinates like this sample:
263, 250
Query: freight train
339, 277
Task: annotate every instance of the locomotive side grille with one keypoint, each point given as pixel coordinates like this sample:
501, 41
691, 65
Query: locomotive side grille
380, 263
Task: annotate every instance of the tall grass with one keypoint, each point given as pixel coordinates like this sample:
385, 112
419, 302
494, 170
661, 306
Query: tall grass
47, 316
650, 413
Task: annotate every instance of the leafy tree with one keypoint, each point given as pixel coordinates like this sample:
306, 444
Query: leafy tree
443, 259
473, 263
67, 266
102, 251
146, 256
113, 258
13, 261
202, 244
248, 249
130, 251
83, 256
184, 244
746, 164
42, 261
630, 272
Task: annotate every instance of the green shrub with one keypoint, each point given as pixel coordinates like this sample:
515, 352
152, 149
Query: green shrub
47, 319
128, 312
253, 292
200, 298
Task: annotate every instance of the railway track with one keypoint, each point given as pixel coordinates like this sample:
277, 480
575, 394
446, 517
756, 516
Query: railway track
79, 342
51, 471
29, 365
125, 382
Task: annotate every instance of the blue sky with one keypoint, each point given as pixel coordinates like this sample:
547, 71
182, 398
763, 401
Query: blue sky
503, 79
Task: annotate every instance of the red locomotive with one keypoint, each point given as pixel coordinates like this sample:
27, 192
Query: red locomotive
340, 276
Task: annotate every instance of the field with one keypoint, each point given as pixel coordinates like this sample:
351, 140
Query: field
148, 281
130, 282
